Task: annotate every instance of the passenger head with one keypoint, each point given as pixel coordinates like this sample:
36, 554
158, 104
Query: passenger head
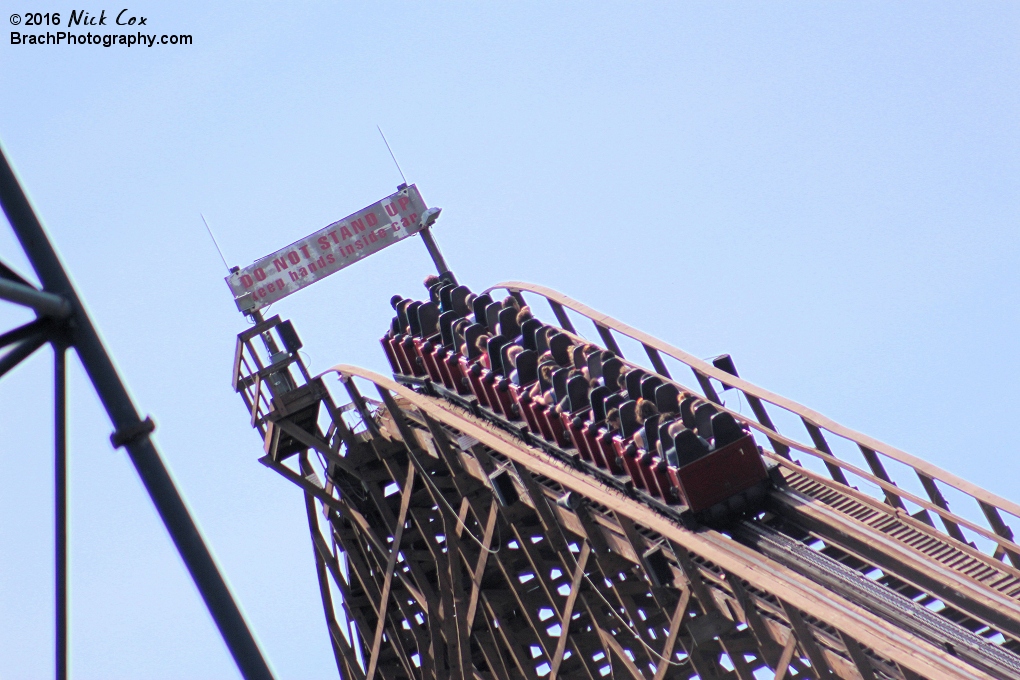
523, 315
613, 418
645, 410
430, 281
621, 383
511, 301
546, 373
482, 343
511, 354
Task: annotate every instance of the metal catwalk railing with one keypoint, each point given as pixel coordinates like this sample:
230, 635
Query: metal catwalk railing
873, 452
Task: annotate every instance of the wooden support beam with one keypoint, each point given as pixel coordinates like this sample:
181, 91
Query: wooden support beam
784, 659
384, 597
676, 624
860, 659
770, 649
568, 610
807, 641
620, 655
835, 471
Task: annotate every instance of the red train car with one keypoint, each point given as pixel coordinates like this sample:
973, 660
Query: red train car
725, 483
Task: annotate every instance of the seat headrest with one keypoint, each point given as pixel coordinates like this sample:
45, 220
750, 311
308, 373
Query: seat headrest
559, 345
577, 393
648, 385
527, 367
479, 305
667, 398
528, 329
634, 383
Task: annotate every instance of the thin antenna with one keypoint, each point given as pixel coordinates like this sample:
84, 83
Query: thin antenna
391, 154
215, 243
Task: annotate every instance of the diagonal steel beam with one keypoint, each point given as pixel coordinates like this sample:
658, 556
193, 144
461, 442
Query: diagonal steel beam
131, 432
20, 352
27, 330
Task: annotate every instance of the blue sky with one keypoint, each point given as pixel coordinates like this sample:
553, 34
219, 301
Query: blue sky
827, 191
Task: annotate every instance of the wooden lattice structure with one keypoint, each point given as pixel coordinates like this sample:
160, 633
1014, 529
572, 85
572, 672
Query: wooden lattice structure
450, 543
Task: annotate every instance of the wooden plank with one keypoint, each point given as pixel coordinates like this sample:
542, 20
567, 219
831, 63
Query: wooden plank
568, 610
784, 659
608, 340
676, 623
384, 597
657, 363
561, 316
932, 489
877, 469
807, 641
857, 655
483, 558
617, 650
818, 439
770, 650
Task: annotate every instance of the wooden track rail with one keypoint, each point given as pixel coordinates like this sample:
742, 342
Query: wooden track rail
989, 527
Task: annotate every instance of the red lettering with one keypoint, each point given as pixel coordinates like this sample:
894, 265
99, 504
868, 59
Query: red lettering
323, 243
404, 201
304, 249
391, 210
357, 226
381, 233
345, 232
358, 244
260, 275
246, 281
271, 287
349, 250
332, 235
281, 264
261, 292
371, 220
372, 238
312, 267
330, 258
304, 272
293, 257
294, 276
279, 284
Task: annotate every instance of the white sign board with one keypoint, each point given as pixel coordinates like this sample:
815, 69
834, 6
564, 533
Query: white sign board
328, 250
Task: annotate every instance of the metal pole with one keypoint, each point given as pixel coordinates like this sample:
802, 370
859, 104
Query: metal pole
437, 257
46, 304
60, 502
132, 433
